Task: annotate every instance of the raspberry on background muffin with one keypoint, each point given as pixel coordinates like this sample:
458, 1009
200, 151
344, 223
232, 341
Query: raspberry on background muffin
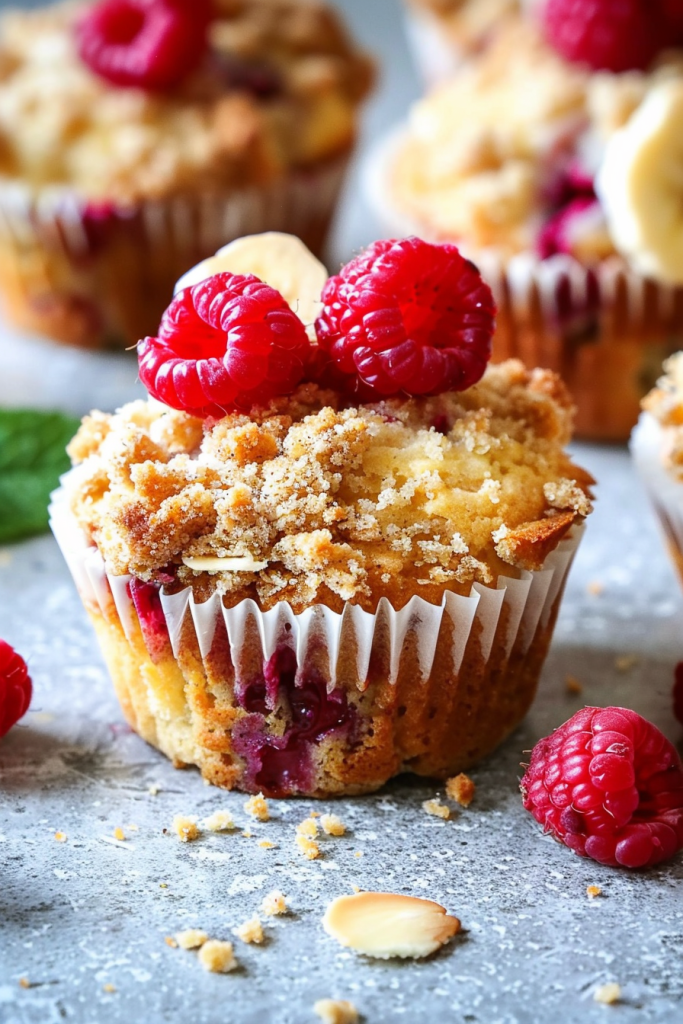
551, 159
657, 449
312, 569
136, 136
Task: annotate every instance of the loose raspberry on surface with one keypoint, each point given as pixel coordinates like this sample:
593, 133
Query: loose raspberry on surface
148, 44
609, 785
229, 342
407, 317
678, 692
15, 687
607, 35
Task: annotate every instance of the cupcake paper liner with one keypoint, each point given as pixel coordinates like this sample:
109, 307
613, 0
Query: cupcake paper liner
649, 443
406, 650
605, 329
99, 276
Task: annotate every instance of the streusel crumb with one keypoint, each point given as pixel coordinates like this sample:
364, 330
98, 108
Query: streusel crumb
332, 825
461, 789
251, 931
436, 808
336, 1011
192, 938
274, 904
219, 821
347, 503
308, 827
217, 956
257, 807
185, 828
308, 847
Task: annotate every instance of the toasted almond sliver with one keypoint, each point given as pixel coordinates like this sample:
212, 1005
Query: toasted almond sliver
233, 563
384, 924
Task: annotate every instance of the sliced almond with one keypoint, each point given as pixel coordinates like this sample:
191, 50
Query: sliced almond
385, 925
233, 563
281, 260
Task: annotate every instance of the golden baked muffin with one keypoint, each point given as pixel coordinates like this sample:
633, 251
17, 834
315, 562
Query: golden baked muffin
551, 159
335, 562
657, 449
136, 136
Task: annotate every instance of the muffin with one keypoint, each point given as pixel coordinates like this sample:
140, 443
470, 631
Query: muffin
124, 162
559, 177
332, 578
445, 33
657, 449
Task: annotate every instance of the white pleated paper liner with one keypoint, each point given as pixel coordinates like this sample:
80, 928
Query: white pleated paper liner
528, 603
649, 443
520, 281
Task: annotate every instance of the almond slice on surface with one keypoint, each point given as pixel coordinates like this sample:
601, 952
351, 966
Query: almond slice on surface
234, 563
385, 925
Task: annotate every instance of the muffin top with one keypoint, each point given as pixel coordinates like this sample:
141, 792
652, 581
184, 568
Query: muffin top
525, 150
276, 88
471, 24
332, 502
665, 403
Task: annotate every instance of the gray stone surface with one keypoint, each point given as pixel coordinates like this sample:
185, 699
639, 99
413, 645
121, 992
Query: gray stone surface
90, 912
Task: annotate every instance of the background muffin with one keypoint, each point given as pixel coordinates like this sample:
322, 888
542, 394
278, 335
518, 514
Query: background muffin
109, 189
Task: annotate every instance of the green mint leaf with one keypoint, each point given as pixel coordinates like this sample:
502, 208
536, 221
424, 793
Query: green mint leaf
32, 458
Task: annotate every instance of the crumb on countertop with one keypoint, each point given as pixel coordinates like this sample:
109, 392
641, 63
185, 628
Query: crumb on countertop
119, 834
266, 844
191, 938
61, 837
217, 956
24, 983
185, 828
274, 904
308, 827
154, 790
308, 847
250, 931
219, 821
625, 662
436, 808
257, 807
593, 890
573, 685
607, 994
332, 825
170, 941
336, 1011
109, 987
461, 789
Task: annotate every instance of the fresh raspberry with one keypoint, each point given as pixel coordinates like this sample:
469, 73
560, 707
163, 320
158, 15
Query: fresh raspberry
15, 687
407, 316
150, 44
607, 35
229, 342
678, 692
609, 786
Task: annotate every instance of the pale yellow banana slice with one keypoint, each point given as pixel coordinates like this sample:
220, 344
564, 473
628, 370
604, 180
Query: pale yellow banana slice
282, 261
640, 184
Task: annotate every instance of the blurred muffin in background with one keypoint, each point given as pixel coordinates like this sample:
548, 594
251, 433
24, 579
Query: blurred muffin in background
554, 159
138, 135
444, 33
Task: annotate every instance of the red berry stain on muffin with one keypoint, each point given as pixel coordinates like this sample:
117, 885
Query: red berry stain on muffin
147, 601
608, 35
147, 44
408, 317
609, 785
280, 763
16, 689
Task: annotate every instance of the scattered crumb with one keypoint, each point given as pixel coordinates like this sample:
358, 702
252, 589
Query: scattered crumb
185, 828
358, 853
266, 844
153, 790
336, 1011
607, 994
192, 938
436, 808
572, 685
109, 987
217, 956
219, 821
119, 834
593, 891
247, 834
625, 662
461, 789
332, 825
24, 982
257, 806
133, 828
309, 828
308, 847
250, 931
274, 903
60, 837
595, 587
170, 941
356, 888
163, 885
314, 814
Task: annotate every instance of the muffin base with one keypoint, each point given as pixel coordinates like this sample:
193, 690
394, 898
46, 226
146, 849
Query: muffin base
100, 277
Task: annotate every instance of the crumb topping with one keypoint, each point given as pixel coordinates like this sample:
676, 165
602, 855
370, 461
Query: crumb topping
61, 125
343, 504
461, 789
185, 828
307, 827
665, 403
217, 956
307, 847
332, 825
274, 904
436, 808
469, 23
257, 807
251, 932
219, 821
192, 938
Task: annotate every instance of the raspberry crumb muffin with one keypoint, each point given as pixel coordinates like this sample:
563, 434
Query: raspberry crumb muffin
657, 448
312, 567
552, 159
137, 136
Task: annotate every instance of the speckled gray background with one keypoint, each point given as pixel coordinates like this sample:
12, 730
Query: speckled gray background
90, 912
